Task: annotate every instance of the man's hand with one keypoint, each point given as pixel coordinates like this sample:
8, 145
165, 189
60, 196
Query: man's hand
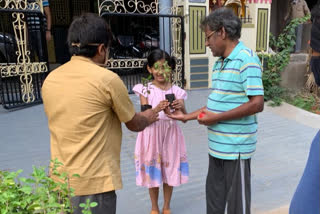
206, 118
150, 115
48, 35
141, 120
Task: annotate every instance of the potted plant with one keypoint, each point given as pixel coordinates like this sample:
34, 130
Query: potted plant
165, 70
145, 82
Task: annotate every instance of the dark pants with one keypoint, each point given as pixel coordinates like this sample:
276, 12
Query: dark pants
107, 203
315, 68
37, 45
228, 186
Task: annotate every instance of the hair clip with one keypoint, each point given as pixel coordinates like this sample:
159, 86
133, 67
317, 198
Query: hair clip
79, 45
94, 44
75, 45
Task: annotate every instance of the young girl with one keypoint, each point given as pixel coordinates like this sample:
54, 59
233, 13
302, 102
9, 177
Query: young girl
160, 153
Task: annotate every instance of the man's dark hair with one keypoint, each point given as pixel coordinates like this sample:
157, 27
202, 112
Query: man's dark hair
86, 32
223, 17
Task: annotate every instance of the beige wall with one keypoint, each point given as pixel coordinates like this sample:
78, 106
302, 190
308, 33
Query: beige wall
249, 32
249, 37
188, 56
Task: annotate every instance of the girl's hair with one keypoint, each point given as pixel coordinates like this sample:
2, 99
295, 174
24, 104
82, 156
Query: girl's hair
159, 54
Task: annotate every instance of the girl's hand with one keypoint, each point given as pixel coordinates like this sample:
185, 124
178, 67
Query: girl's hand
206, 118
161, 106
167, 111
177, 104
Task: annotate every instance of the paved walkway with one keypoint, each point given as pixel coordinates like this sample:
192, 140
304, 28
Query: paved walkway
282, 150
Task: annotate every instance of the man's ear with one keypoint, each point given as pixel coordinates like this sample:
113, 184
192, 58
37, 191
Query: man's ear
100, 50
223, 33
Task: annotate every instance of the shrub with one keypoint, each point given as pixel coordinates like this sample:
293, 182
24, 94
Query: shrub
283, 46
37, 194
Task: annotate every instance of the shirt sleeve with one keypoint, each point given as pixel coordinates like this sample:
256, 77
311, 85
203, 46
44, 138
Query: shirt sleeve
121, 103
306, 8
180, 93
251, 76
140, 89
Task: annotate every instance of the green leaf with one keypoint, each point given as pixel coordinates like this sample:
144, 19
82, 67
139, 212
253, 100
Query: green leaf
26, 189
93, 204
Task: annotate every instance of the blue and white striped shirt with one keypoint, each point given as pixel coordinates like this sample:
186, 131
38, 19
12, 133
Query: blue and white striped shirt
234, 79
33, 19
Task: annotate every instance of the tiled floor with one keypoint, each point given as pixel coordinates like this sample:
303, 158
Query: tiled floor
280, 158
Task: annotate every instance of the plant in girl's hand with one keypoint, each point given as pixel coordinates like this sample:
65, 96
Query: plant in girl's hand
145, 90
145, 81
165, 70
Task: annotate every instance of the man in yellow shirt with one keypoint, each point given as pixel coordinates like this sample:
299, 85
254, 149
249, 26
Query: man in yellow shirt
85, 105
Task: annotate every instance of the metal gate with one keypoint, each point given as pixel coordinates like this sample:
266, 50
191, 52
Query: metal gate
23, 67
139, 27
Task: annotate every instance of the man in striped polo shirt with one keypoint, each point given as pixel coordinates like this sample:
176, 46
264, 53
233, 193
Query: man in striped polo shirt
237, 95
34, 21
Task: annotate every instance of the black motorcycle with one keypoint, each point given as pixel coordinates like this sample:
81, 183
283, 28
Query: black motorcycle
122, 47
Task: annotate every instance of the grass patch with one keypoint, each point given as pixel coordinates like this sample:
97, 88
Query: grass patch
304, 100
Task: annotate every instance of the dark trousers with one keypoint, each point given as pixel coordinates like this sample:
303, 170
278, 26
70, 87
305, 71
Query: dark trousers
315, 68
107, 203
38, 46
228, 186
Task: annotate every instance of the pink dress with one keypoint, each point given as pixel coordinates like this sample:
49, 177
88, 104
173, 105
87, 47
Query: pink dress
160, 153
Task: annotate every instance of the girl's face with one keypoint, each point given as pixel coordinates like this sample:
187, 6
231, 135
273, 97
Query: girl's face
160, 71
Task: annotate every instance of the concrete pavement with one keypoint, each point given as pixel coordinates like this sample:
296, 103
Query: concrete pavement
282, 151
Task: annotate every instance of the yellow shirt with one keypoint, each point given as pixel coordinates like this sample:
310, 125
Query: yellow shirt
84, 104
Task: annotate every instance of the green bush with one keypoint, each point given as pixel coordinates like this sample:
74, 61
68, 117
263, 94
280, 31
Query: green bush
283, 46
305, 100
37, 194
